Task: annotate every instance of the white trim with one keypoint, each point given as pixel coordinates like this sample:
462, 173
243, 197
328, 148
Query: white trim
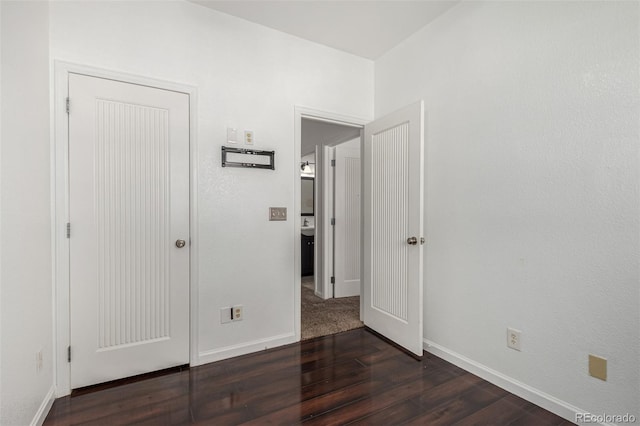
533, 395
194, 251
44, 408
59, 176
361, 227
245, 348
61, 213
314, 114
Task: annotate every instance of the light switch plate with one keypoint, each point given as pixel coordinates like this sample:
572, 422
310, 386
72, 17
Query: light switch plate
232, 135
225, 315
277, 213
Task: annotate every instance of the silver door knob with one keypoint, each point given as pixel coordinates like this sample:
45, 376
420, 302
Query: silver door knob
180, 243
412, 241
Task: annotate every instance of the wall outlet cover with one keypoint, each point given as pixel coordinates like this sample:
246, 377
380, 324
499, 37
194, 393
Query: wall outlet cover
513, 339
598, 367
237, 312
248, 137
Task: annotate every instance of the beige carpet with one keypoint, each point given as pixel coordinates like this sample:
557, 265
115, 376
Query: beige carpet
323, 317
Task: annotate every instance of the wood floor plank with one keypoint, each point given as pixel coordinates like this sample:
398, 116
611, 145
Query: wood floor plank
464, 404
349, 378
292, 389
395, 414
131, 397
537, 416
500, 412
384, 399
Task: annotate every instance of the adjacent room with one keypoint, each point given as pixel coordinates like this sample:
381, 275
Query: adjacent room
188, 186
330, 241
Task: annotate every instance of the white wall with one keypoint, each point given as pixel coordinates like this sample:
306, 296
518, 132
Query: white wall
248, 77
532, 189
26, 304
1, 210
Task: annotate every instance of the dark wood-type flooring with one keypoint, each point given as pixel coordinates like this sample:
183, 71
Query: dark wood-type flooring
348, 378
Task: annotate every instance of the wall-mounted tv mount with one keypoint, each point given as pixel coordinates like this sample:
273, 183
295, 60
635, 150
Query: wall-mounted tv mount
247, 158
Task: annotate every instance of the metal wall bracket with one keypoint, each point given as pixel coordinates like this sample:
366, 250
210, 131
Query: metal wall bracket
246, 154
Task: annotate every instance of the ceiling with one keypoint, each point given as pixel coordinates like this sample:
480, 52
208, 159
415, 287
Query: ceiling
366, 28
322, 133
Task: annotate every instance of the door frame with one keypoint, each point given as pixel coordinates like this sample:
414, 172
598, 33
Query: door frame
301, 112
60, 208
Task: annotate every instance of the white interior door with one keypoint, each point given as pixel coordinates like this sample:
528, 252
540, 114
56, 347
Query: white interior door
347, 214
324, 234
393, 226
129, 206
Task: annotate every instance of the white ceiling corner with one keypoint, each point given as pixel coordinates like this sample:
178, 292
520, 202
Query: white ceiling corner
366, 28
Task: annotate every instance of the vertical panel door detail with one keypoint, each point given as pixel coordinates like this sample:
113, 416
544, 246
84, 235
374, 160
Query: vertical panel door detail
128, 205
348, 222
393, 226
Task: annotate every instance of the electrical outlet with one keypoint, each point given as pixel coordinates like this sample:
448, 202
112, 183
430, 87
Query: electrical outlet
237, 313
248, 137
277, 213
513, 338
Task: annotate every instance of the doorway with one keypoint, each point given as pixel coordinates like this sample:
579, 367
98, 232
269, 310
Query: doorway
330, 227
392, 214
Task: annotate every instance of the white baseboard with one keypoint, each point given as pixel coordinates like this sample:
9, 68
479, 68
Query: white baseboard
535, 396
244, 348
42, 412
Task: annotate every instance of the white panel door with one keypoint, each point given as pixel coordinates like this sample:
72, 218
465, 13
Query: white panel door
347, 214
393, 226
129, 204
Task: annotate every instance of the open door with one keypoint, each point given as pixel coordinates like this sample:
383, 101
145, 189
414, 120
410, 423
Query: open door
393, 174
347, 219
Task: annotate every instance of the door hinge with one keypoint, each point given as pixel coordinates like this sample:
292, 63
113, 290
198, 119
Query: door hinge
68, 353
68, 230
333, 163
333, 280
333, 221
68, 103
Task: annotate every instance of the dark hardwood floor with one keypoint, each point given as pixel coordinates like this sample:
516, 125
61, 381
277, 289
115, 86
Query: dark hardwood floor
348, 378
